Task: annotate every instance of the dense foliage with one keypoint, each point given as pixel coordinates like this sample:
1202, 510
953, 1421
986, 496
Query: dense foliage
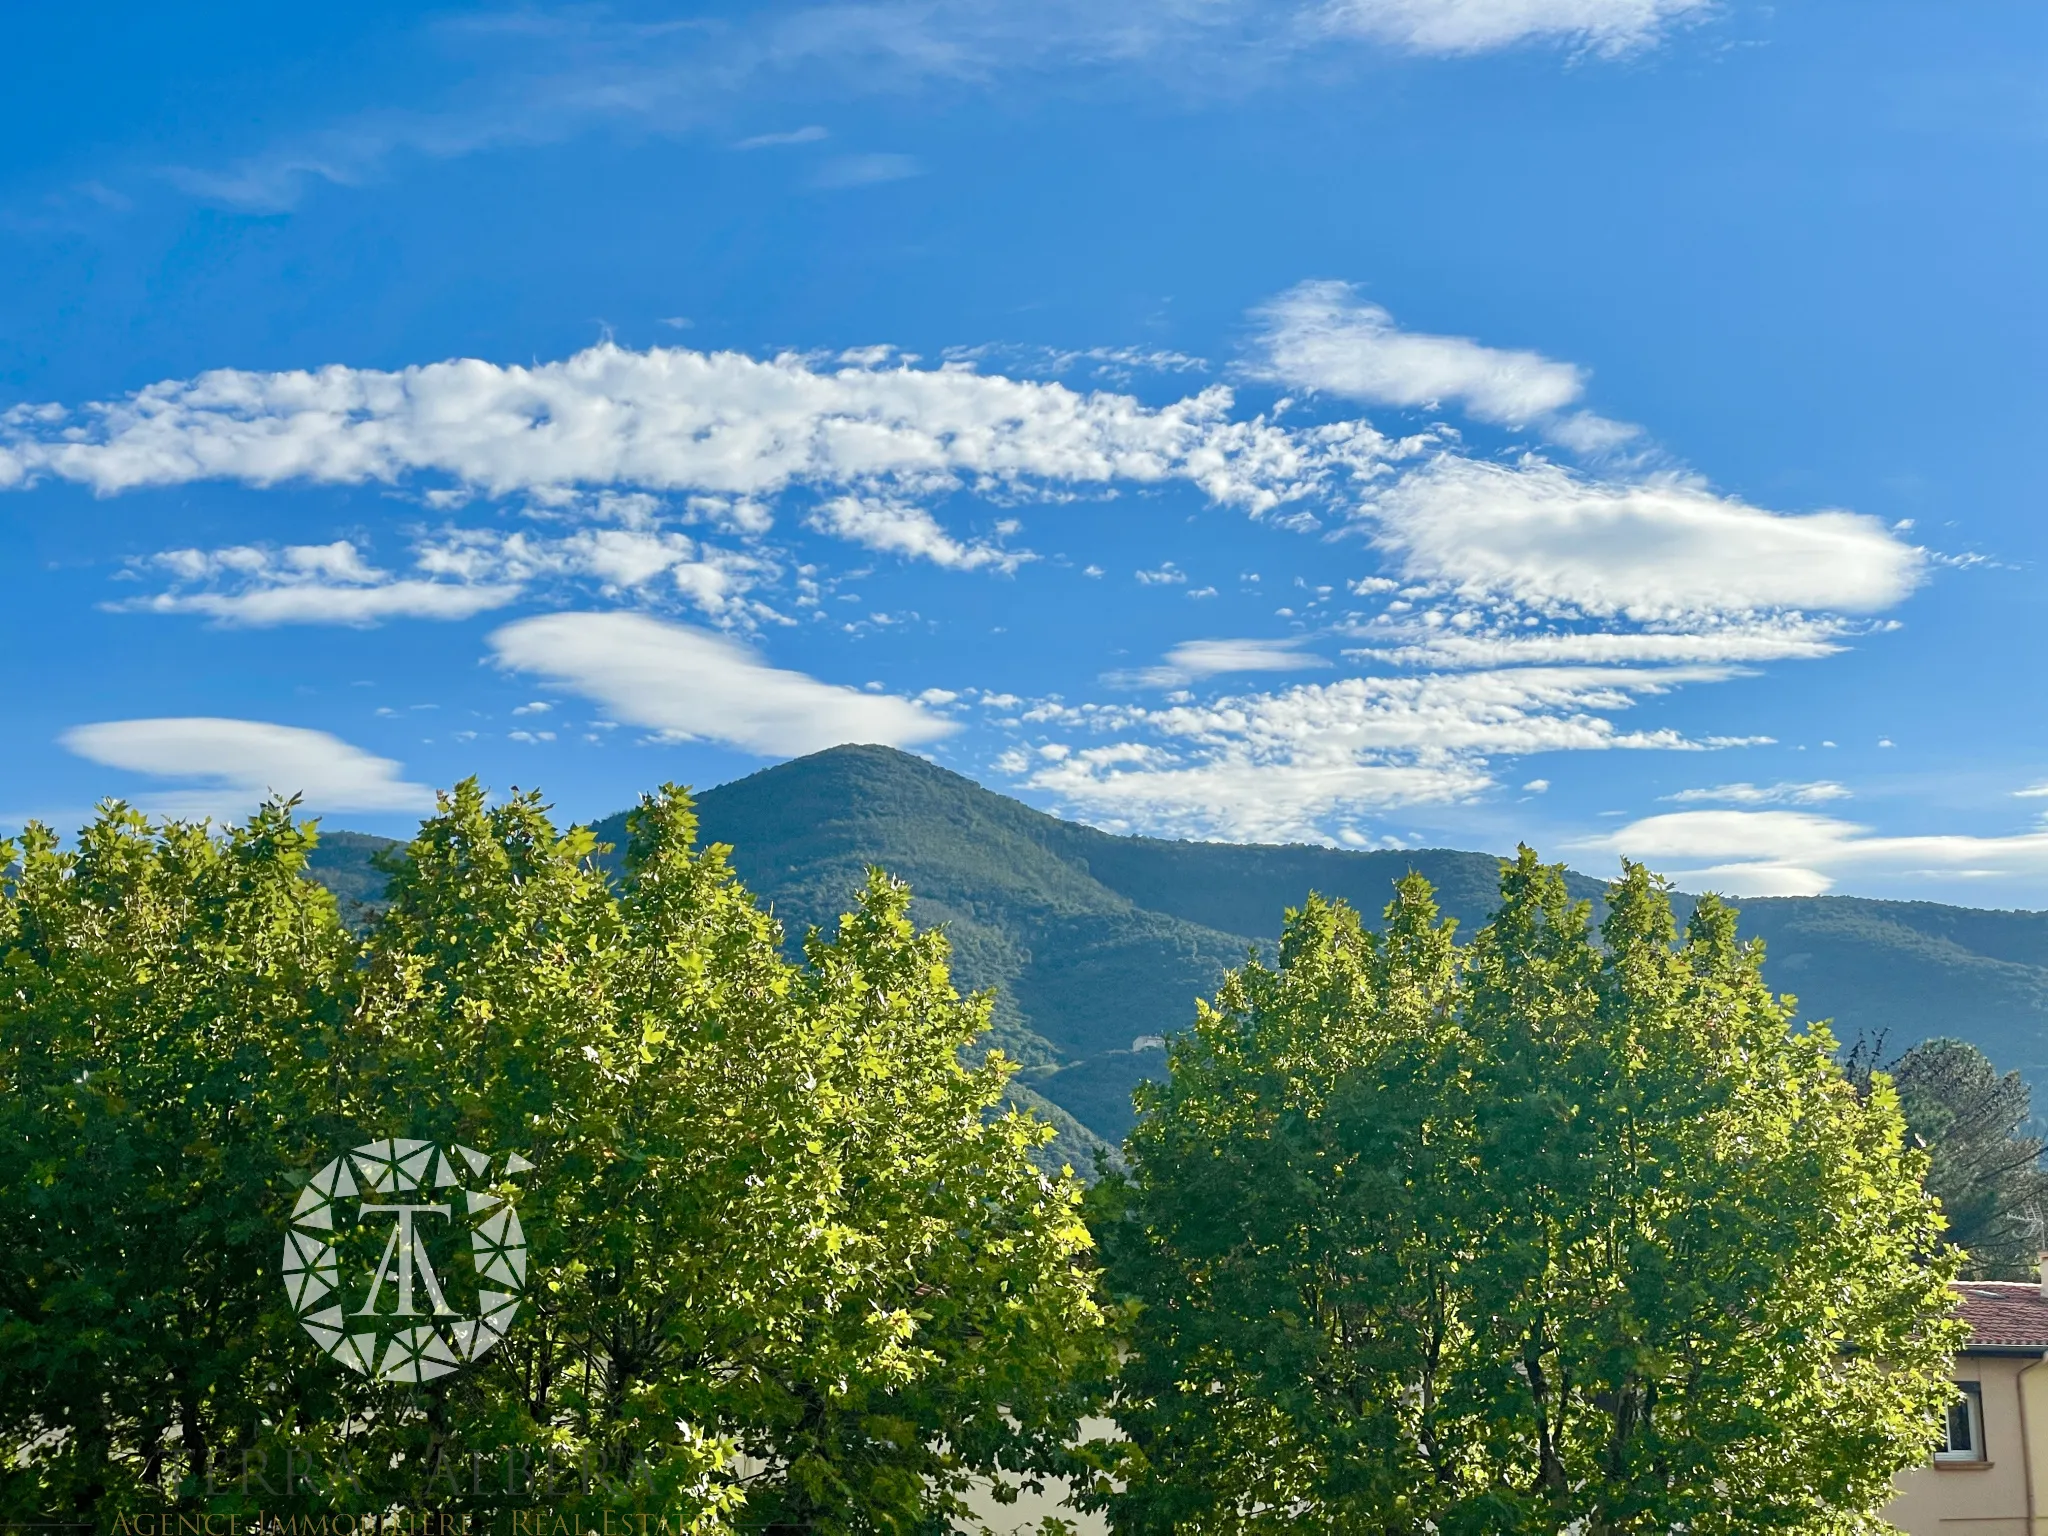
1093, 940
1984, 1162
1564, 1230
792, 1269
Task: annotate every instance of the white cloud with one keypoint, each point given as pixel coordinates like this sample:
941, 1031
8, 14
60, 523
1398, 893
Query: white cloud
236, 763
459, 573
1193, 660
1303, 764
1235, 796
1775, 638
1651, 550
1321, 335
639, 563
877, 435
1208, 658
671, 419
1535, 709
809, 134
316, 603
1800, 853
1814, 792
690, 684
900, 528
1167, 575
256, 587
1116, 364
1478, 26
1589, 434
1535, 603
528, 76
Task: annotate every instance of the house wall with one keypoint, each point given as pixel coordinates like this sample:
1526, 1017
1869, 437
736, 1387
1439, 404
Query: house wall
1022, 1518
1985, 1498
1989, 1497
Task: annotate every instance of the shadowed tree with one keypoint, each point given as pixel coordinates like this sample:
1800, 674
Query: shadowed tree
1984, 1165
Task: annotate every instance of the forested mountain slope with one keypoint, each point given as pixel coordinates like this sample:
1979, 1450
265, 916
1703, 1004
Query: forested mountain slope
1095, 942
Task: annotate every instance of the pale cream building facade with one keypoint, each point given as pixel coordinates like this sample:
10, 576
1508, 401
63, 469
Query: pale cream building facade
1991, 1479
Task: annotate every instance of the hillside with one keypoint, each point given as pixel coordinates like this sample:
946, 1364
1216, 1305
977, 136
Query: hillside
1094, 942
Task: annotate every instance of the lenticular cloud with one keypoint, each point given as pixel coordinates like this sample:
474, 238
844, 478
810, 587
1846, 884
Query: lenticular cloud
690, 685
1647, 550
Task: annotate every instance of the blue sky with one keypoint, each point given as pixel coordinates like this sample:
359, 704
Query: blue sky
1607, 423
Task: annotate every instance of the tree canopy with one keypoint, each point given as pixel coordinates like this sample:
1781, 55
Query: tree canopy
1984, 1162
1560, 1230
792, 1268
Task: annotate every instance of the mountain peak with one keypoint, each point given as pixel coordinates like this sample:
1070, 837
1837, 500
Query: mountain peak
1094, 943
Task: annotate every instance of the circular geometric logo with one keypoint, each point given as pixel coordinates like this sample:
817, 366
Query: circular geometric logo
373, 1259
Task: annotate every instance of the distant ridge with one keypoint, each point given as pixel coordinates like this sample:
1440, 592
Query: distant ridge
1094, 942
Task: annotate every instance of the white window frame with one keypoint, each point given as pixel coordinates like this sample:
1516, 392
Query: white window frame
1971, 1398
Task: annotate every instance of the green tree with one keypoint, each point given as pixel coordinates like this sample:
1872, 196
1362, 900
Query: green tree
1984, 1165
172, 1042
1560, 1231
789, 1267
781, 1216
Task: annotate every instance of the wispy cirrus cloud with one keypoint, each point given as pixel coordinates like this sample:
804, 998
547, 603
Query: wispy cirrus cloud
1809, 792
1502, 641
1479, 26
536, 75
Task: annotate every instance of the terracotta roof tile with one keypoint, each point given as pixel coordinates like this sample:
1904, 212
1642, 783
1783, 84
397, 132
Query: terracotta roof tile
2004, 1314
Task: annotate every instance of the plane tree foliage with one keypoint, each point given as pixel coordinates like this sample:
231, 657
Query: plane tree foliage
174, 1041
790, 1265
1560, 1230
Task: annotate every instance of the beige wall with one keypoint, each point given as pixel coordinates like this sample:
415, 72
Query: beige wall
1031, 1508
1990, 1497
1985, 1498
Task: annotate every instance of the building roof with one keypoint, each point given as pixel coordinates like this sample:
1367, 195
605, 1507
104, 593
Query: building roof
2004, 1314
